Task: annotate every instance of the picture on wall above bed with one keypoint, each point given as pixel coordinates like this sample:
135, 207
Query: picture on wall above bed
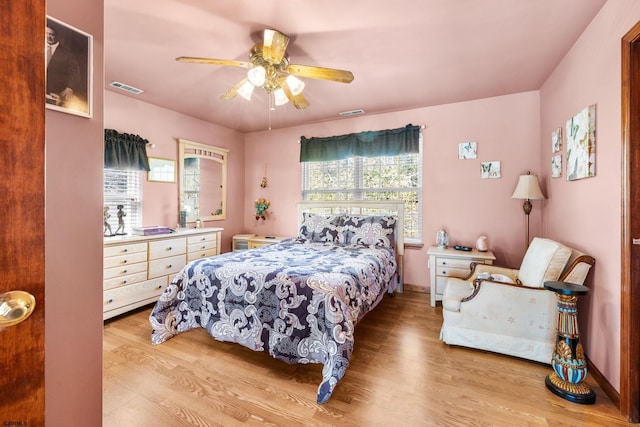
581, 144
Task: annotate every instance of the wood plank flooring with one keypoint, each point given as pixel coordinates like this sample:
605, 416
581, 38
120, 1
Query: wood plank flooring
400, 374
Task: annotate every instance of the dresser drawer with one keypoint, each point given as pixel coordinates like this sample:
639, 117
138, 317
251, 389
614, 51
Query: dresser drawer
126, 295
211, 237
123, 260
165, 266
167, 247
201, 246
201, 254
124, 270
125, 280
130, 248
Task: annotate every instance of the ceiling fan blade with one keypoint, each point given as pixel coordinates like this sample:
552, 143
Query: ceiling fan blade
274, 46
213, 61
231, 93
299, 101
321, 73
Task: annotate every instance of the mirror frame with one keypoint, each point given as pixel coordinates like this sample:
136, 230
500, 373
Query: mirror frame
191, 149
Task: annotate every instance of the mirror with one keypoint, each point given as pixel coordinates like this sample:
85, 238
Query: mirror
203, 181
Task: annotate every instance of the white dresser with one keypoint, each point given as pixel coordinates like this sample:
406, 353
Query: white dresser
138, 268
448, 262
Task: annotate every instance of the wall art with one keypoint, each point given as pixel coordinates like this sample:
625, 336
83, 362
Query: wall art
556, 140
68, 61
490, 170
581, 144
468, 150
556, 166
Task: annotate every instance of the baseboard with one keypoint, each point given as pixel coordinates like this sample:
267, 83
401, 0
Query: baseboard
416, 288
606, 386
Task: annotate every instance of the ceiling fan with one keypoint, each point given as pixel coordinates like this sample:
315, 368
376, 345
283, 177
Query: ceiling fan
270, 69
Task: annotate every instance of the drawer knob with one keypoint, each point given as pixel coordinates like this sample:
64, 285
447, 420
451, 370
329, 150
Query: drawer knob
124, 271
110, 301
124, 262
159, 286
203, 247
124, 282
203, 239
169, 266
126, 250
169, 248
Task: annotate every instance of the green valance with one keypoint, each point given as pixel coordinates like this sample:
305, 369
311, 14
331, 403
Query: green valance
390, 142
125, 151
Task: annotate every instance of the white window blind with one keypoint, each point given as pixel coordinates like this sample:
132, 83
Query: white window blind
123, 187
370, 178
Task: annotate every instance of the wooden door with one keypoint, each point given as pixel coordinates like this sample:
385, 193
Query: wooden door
630, 298
22, 36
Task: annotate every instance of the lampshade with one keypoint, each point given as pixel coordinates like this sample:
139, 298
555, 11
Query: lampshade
528, 188
257, 75
295, 84
246, 90
280, 97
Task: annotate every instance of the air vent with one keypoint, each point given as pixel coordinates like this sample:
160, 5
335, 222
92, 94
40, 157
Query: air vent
126, 88
352, 112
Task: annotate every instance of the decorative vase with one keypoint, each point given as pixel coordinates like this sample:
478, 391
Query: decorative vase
482, 244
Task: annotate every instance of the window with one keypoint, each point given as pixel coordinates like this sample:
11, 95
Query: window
123, 187
370, 178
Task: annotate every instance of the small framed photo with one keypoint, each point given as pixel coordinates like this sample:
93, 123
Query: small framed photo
556, 140
162, 170
468, 150
490, 170
556, 166
69, 69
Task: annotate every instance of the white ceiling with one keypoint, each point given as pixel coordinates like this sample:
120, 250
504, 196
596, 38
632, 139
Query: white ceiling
404, 54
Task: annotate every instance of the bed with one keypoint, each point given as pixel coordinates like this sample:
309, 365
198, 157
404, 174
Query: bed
299, 299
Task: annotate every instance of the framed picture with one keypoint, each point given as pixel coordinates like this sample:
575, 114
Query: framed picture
162, 170
581, 144
556, 166
468, 150
69, 64
556, 140
490, 170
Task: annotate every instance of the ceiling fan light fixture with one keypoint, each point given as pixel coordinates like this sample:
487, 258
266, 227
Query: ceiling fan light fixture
295, 84
280, 97
246, 90
257, 75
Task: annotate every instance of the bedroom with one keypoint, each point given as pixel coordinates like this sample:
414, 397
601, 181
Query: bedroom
495, 122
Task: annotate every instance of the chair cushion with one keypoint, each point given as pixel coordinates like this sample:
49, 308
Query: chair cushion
544, 261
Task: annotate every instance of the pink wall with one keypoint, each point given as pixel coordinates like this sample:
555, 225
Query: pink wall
587, 213
163, 128
454, 196
73, 243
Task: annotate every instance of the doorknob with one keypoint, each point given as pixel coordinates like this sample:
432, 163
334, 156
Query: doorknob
15, 306
635, 241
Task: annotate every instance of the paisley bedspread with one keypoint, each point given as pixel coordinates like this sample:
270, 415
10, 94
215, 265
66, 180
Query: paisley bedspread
299, 300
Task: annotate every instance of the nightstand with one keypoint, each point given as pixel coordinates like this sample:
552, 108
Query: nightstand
259, 241
449, 262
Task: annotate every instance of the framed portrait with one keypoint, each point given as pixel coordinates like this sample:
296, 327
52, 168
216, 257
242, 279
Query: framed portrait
468, 150
490, 170
69, 69
162, 170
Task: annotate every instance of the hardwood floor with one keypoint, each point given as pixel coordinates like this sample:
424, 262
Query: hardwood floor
400, 374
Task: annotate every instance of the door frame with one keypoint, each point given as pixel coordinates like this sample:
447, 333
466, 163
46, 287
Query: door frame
630, 268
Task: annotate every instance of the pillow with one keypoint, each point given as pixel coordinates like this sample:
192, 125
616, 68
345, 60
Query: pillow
544, 261
320, 228
368, 230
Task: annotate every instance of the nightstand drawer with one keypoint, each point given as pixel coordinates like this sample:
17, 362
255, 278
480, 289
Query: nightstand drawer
453, 272
453, 263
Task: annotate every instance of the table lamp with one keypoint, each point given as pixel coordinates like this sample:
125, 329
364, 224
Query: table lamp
527, 189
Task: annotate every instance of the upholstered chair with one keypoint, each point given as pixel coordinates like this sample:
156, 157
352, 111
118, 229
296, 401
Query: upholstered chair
507, 310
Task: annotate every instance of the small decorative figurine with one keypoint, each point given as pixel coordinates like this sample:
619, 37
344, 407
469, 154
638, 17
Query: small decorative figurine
121, 215
261, 208
107, 227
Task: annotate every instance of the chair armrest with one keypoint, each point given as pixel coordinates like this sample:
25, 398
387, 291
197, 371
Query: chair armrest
477, 268
478, 283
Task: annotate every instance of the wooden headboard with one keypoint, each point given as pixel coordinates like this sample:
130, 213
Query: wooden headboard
361, 207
